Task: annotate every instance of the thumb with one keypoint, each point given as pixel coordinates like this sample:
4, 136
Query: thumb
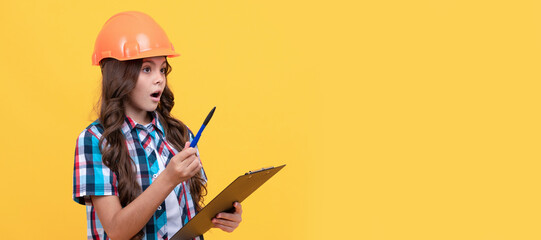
187, 145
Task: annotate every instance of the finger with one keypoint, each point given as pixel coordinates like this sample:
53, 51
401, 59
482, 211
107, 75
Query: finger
196, 160
224, 228
189, 151
235, 217
238, 207
182, 155
196, 170
185, 163
186, 154
191, 158
187, 146
226, 223
198, 167
194, 166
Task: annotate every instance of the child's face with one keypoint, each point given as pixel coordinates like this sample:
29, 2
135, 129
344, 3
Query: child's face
149, 87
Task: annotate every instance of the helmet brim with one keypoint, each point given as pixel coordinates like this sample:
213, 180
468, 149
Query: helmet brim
145, 54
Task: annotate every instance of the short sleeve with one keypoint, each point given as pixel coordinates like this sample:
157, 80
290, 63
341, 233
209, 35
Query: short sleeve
90, 175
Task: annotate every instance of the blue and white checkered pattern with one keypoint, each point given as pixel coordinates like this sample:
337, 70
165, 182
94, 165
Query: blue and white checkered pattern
92, 177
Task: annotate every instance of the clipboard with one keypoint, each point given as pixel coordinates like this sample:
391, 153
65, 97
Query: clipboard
237, 191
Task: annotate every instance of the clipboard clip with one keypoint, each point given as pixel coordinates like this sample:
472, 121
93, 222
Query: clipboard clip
260, 170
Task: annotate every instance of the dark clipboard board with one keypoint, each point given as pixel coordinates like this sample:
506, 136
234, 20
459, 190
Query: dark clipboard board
237, 191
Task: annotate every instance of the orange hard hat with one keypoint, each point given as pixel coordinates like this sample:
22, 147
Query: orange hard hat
131, 35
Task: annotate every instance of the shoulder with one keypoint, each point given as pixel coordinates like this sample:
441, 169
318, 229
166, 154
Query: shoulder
91, 132
87, 147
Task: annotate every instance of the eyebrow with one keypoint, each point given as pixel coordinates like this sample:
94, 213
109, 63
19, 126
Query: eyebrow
152, 62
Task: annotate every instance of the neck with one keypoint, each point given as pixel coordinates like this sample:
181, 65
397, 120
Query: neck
141, 117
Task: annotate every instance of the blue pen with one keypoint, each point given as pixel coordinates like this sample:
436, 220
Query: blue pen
196, 138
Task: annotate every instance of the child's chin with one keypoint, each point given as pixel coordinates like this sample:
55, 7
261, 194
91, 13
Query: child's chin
152, 108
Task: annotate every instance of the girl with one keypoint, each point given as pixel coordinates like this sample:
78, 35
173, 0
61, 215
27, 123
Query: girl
134, 169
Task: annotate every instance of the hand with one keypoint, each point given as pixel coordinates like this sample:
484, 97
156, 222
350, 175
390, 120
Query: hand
228, 222
183, 166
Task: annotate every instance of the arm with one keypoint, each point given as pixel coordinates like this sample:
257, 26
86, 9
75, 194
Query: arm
123, 223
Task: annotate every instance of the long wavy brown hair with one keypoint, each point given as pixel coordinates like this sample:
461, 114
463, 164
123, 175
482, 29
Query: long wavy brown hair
118, 80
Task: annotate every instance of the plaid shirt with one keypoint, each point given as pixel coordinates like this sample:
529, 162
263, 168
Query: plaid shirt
92, 177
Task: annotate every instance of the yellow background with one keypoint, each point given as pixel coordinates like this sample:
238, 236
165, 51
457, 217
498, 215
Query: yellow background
396, 119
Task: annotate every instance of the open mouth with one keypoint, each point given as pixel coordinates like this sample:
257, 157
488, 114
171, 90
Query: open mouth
155, 94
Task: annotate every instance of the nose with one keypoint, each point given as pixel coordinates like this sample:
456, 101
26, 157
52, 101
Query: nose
159, 78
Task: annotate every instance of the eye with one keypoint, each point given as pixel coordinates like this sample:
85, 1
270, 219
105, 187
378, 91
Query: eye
163, 70
146, 69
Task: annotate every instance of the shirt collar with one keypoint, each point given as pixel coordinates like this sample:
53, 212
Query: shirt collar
129, 124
